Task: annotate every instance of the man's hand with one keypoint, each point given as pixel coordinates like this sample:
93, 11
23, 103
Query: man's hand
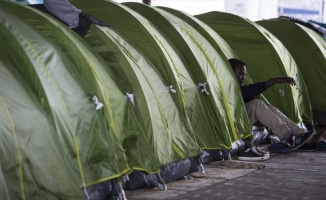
281, 79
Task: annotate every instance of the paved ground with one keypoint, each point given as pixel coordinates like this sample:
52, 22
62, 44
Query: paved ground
299, 175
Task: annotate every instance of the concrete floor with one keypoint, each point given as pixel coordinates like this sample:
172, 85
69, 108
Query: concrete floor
298, 175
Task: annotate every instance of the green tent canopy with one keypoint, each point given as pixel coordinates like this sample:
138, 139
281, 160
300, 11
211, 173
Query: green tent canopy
60, 141
220, 45
308, 49
265, 57
204, 65
30, 151
147, 138
147, 39
143, 40
151, 90
107, 143
153, 102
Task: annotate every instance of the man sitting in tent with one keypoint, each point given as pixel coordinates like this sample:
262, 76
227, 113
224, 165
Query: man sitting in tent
290, 134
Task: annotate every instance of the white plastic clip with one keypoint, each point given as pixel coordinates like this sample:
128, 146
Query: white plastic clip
282, 93
131, 97
298, 88
170, 88
98, 104
202, 86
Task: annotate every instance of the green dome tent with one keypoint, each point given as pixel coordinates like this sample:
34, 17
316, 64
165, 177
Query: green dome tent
152, 136
114, 14
204, 65
308, 49
226, 52
143, 69
162, 121
30, 151
61, 143
220, 45
265, 57
142, 34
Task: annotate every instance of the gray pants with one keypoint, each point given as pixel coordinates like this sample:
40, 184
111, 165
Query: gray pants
271, 118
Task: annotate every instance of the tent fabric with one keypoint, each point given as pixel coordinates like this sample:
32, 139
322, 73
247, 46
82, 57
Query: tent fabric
147, 39
308, 50
205, 65
22, 145
64, 125
154, 104
317, 28
65, 74
220, 45
265, 57
147, 94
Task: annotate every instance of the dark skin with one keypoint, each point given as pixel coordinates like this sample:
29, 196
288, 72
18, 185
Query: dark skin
241, 71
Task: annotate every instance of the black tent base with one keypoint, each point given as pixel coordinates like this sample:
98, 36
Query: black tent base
108, 190
177, 170
168, 173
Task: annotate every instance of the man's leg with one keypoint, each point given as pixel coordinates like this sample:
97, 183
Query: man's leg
293, 126
258, 111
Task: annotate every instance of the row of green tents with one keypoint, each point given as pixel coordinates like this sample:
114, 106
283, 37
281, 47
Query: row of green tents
79, 115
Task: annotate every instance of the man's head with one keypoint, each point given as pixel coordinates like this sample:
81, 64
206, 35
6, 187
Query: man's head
239, 69
148, 2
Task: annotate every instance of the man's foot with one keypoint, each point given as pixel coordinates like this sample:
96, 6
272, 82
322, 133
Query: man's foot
252, 154
265, 153
279, 147
297, 140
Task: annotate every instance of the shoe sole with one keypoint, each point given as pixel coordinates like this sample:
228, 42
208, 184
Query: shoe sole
266, 156
308, 150
295, 148
253, 159
281, 152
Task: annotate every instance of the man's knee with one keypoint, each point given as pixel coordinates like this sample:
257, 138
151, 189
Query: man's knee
256, 106
255, 103
272, 108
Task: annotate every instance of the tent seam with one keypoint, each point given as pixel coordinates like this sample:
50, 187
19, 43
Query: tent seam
19, 157
64, 105
219, 80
